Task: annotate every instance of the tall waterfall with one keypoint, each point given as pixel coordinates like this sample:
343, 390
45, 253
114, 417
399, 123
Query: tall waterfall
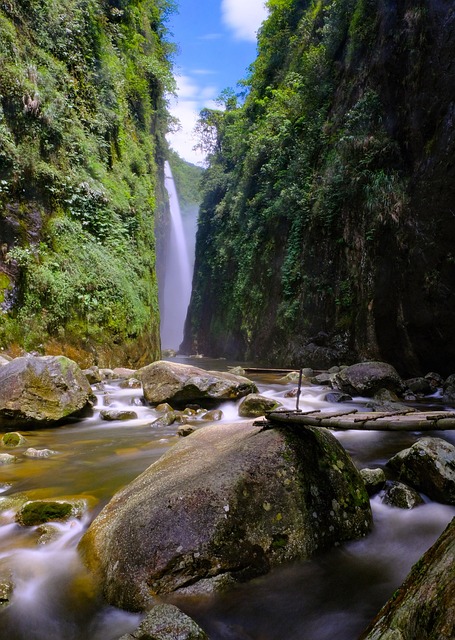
178, 274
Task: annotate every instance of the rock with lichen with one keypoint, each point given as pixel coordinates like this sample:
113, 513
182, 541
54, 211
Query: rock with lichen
226, 504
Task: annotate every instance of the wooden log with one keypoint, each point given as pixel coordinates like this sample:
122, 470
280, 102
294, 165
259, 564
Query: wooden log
368, 421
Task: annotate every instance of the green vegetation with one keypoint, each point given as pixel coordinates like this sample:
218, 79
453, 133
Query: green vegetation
82, 125
35, 513
187, 179
301, 175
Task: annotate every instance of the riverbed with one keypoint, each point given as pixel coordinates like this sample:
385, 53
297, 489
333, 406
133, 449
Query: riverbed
335, 594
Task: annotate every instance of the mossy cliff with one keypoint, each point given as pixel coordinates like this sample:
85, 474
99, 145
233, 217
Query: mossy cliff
82, 125
327, 226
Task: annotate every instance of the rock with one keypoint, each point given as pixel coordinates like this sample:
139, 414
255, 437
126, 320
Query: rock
13, 502
323, 378
12, 440
106, 374
292, 376
334, 369
163, 407
173, 382
167, 622
6, 591
215, 415
337, 396
48, 533
419, 385
436, 381
117, 414
255, 405
124, 373
7, 458
233, 499
39, 453
93, 375
448, 389
38, 512
185, 430
165, 420
366, 378
424, 605
397, 494
428, 466
374, 480
41, 390
130, 383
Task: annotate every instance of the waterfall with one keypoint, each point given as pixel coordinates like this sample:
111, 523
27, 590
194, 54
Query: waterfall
178, 273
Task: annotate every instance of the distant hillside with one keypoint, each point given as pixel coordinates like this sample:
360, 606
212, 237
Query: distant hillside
327, 226
82, 125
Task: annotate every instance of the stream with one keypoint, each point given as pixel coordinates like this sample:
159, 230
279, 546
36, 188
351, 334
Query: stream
334, 595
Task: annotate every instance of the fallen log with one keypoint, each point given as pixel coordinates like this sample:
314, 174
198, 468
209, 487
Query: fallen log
367, 421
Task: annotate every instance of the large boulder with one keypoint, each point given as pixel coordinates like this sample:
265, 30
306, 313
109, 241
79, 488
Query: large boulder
428, 466
225, 504
366, 378
255, 405
167, 622
178, 383
424, 606
41, 390
448, 390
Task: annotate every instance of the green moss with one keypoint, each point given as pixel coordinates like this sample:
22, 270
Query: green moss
5, 284
35, 513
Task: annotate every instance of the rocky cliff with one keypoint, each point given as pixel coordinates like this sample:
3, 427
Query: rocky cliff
327, 227
82, 124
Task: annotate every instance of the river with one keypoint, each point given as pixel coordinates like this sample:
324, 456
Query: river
54, 598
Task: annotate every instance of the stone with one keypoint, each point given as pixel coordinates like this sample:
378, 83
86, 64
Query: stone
165, 420
36, 391
429, 467
374, 480
231, 500
397, 494
130, 383
424, 605
214, 416
117, 414
185, 430
93, 375
337, 396
31, 452
255, 405
164, 407
421, 386
366, 378
448, 389
323, 378
12, 440
7, 458
181, 383
123, 373
237, 371
167, 622
6, 591
435, 379
37, 512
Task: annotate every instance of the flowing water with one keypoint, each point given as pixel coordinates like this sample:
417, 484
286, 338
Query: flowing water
178, 272
54, 598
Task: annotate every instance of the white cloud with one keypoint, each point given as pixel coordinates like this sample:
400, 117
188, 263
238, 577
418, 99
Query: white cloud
244, 17
191, 98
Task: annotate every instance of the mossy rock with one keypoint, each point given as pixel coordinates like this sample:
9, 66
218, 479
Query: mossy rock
13, 439
39, 512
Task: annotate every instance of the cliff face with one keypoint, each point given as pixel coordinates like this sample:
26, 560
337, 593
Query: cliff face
327, 227
82, 124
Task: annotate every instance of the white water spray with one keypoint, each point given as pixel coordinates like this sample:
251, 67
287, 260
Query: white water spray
178, 274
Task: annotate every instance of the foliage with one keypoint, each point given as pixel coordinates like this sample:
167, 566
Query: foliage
301, 173
82, 125
187, 179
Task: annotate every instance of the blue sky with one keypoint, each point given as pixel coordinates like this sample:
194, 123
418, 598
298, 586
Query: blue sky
216, 43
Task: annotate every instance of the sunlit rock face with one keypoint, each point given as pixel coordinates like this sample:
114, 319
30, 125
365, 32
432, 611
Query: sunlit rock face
224, 505
36, 391
328, 238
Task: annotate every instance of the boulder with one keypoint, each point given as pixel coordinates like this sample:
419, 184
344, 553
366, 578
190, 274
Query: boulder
374, 480
337, 396
167, 622
93, 375
212, 416
366, 378
420, 385
255, 405
117, 414
7, 458
397, 494
230, 501
185, 430
448, 389
428, 466
38, 512
181, 383
424, 606
36, 391
31, 452
6, 591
